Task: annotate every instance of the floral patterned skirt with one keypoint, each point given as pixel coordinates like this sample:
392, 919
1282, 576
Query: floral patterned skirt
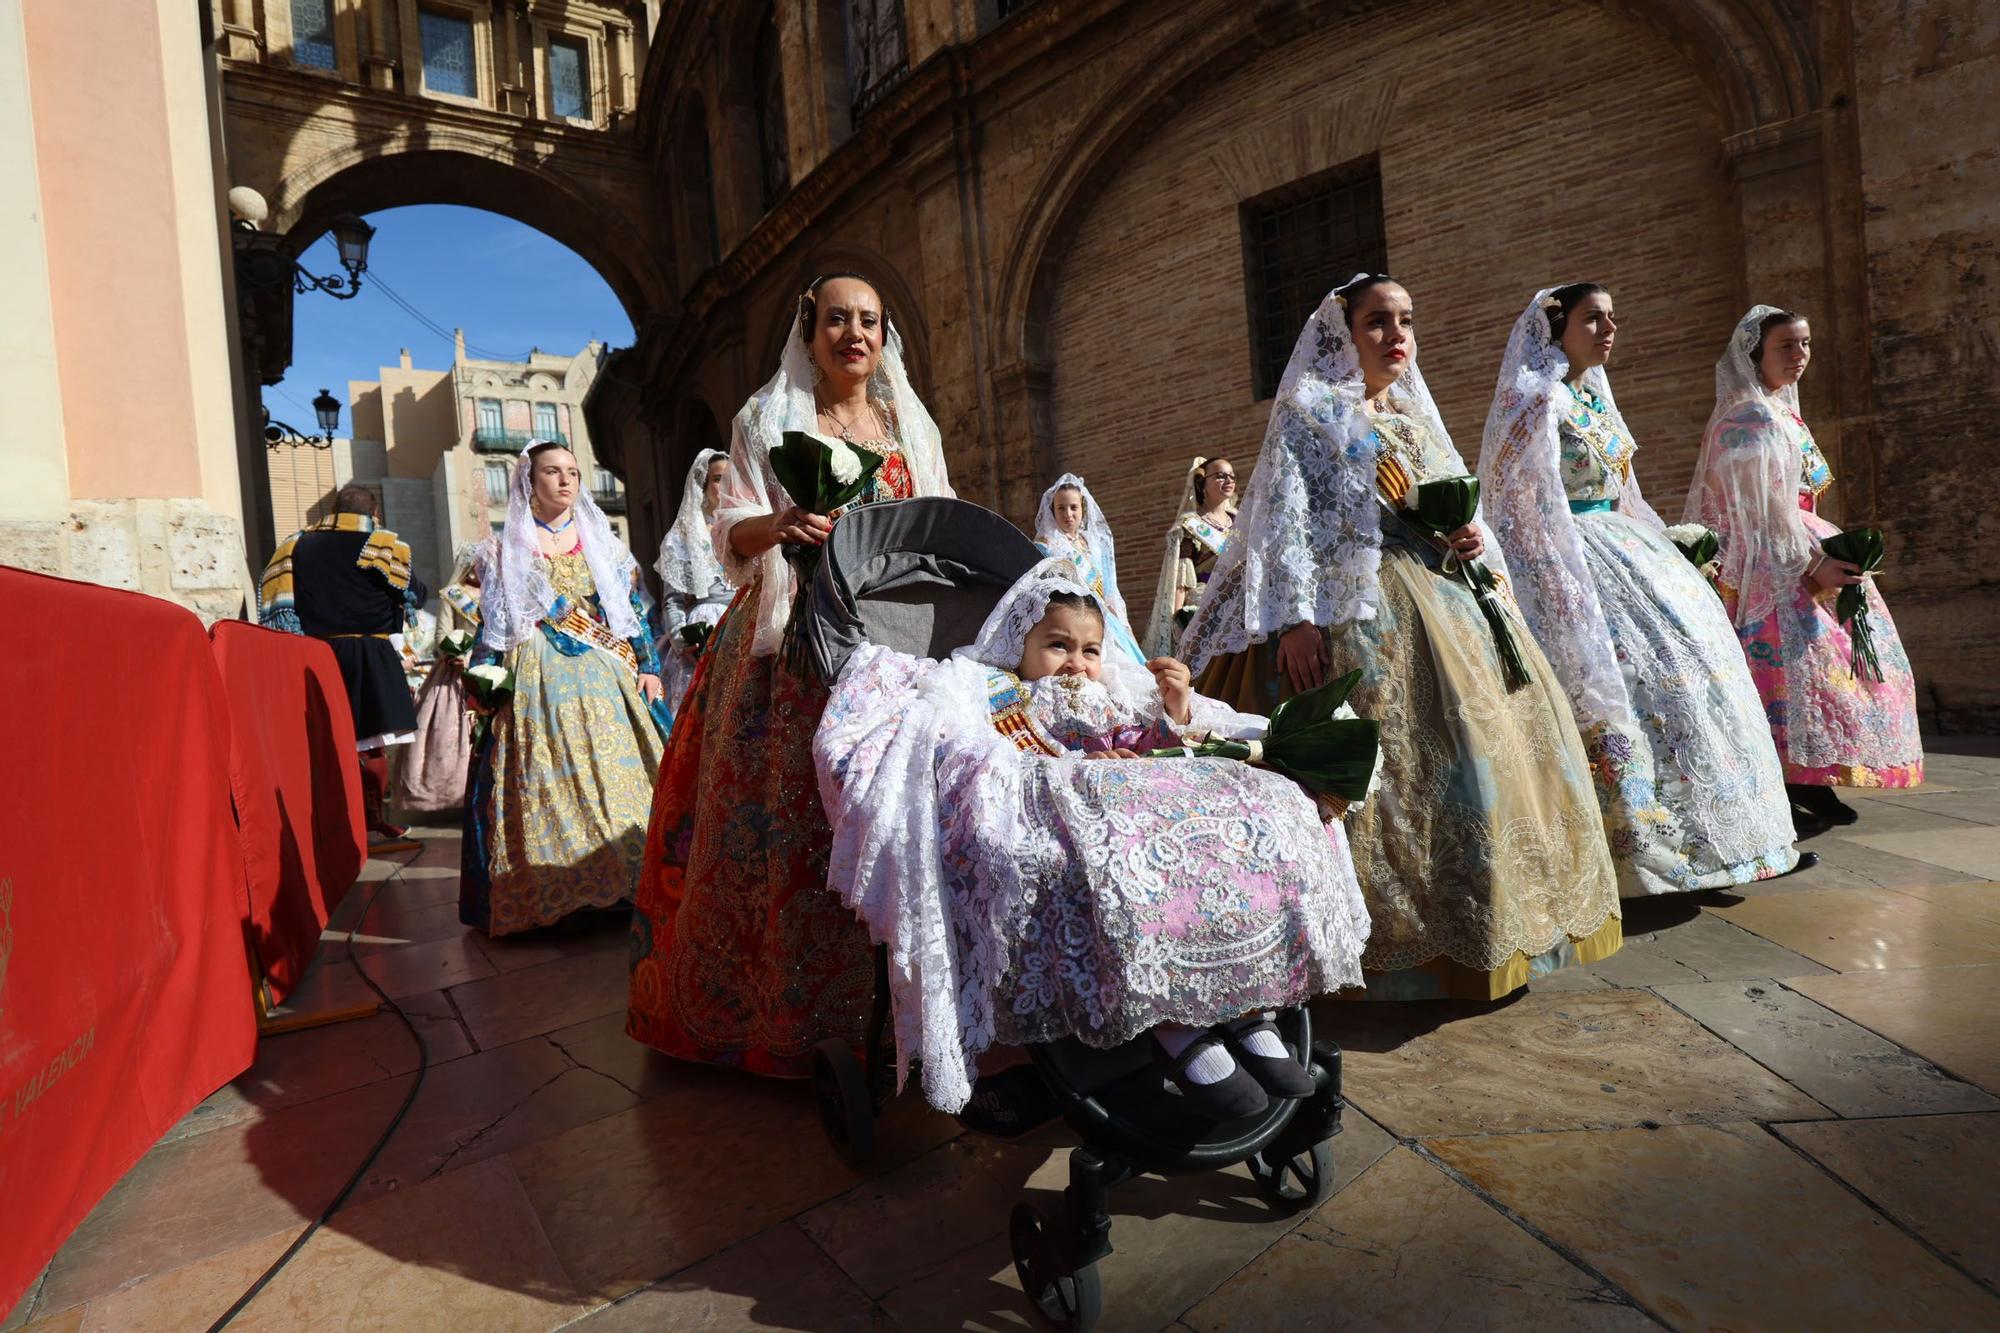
1482, 855
1831, 728
741, 955
556, 813
1692, 792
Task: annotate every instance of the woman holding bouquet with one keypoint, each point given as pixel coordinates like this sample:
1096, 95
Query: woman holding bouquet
1692, 794
556, 814
1070, 525
1194, 543
694, 592
1482, 856
740, 955
1758, 485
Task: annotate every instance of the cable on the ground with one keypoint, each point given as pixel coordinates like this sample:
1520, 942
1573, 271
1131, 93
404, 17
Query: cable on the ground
395, 1122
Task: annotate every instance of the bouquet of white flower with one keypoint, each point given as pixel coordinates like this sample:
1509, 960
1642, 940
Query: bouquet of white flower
1699, 544
822, 474
457, 644
492, 688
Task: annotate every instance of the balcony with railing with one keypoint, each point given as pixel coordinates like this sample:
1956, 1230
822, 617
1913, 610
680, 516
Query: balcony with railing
489, 440
609, 493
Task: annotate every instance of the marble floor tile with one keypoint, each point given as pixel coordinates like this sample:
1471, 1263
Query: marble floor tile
1844, 1067
1973, 850
1944, 1014
1977, 807
461, 1252
639, 1195
1691, 945
1934, 1174
601, 1044
511, 953
1567, 1061
1720, 1227
1408, 1247
1174, 1240
735, 1290
204, 1195
535, 1000
410, 969
1853, 930
1847, 864
392, 922
1915, 814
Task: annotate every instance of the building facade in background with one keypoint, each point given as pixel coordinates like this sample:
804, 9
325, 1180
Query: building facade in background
118, 385
439, 447
1100, 224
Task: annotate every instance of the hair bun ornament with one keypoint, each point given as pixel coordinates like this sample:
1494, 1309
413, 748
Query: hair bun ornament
1340, 299
1551, 303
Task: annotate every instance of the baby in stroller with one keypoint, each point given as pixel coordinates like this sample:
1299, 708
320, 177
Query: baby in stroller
1026, 894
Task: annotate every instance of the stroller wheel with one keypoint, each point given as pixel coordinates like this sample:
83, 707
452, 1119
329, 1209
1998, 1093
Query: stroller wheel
1070, 1298
1294, 1182
846, 1110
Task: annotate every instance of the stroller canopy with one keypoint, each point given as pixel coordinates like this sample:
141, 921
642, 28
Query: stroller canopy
919, 576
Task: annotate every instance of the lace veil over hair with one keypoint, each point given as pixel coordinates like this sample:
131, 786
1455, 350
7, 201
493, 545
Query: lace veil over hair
1096, 532
687, 564
1161, 632
1307, 546
518, 596
751, 489
1521, 489
1746, 485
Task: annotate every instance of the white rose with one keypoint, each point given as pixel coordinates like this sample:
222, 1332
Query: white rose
491, 675
1686, 534
844, 463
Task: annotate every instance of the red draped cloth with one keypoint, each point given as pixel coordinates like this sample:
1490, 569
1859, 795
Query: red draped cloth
297, 789
124, 986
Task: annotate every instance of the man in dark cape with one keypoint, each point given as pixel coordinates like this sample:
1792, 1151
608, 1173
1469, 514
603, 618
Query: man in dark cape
347, 581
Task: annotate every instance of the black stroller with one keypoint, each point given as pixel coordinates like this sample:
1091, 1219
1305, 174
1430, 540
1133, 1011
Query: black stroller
921, 576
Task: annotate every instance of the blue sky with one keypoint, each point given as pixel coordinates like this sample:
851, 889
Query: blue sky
507, 285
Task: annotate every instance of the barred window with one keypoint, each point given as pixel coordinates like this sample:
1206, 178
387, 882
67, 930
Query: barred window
447, 43
877, 55
545, 422
312, 33
1299, 242
569, 80
489, 415
768, 74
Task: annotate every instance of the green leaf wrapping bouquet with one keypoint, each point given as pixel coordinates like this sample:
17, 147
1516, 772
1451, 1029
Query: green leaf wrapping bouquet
456, 645
492, 685
1314, 739
1863, 548
1699, 544
1444, 506
694, 634
822, 474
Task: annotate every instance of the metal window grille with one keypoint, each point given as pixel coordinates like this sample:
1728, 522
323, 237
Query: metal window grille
768, 73
545, 422
1298, 244
569, 80
312, 33
877, 54
447, 43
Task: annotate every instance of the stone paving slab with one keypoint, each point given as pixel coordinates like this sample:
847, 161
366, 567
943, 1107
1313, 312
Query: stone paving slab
1945, 1014
1406, 1247
1857, 930
1544, 1062
1934, 1174
1973, 850
1844, 1067
1721, 1227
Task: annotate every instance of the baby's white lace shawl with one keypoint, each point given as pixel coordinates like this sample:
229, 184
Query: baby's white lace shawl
905, 739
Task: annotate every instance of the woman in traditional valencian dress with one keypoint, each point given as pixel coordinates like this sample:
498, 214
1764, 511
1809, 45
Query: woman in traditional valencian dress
1483, 855
740, 955
1069, 524
1692, 793
435, 767
556, 814
1194, 542
693, 589
1758, 485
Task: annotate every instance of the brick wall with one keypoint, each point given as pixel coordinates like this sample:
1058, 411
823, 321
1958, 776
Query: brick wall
1521, 144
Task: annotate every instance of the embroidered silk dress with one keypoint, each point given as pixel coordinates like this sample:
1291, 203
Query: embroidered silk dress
1692, 796
740, 956
556, 815
1483, 856
438, 763
1858, 732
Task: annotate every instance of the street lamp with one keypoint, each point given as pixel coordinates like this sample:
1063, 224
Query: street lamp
326, 407
351, 236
